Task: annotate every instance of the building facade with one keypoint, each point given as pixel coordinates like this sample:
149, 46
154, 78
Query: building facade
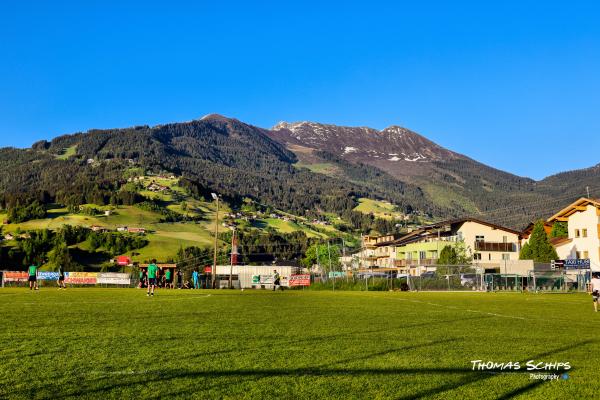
583, 241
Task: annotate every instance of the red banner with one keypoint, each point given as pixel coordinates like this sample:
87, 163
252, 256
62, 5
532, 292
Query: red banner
10, 276
299, 280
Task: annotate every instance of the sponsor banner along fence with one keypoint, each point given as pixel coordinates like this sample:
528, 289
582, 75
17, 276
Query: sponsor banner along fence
113, 278
81, 278
11, 276
299, 280
47, 276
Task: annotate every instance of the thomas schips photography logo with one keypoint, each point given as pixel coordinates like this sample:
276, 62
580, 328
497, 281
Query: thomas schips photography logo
540, 370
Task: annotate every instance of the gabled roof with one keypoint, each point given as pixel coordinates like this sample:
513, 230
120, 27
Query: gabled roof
429, 229
576, 206
469, 219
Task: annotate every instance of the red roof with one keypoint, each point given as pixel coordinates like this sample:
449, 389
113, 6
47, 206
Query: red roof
123, 260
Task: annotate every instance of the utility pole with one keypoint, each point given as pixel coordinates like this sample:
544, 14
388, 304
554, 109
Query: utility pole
329, 253
214, 270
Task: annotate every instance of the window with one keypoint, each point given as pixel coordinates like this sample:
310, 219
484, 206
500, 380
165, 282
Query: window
422, 255
584, 232
505, 256
409, 256
578, 255
577, 233
490, 256
477, 256
504, 239
479, 238
434, 254
586, 254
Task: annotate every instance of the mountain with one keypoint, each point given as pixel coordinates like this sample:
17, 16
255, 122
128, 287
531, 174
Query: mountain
213, 153
305, 168
450, 181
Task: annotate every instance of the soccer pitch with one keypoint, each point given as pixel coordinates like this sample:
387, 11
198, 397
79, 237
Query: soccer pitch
117, 343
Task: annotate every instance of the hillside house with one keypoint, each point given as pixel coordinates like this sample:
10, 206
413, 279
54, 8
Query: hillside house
141, 231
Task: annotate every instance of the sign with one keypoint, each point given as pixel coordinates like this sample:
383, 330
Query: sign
579, 263
262, 279
113, 278
81, 278
208, 270
10, 276
47, 276
299, 280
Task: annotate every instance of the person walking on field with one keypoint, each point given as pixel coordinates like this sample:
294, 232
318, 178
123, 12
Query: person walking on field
61, 278
33, 277
152, 269
276, 280
595, 289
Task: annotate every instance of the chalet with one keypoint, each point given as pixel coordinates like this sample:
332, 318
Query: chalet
108, 213
97, 228
122, 229
137, 230
583, 241
9, 236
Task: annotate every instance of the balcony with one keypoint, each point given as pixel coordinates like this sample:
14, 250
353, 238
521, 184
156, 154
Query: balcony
495, 246
414, 263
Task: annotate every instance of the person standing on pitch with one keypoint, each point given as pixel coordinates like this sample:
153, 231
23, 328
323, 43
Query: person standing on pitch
61, 278
152, 269
169, 279
33, 277
195, 278
595, 283
179, 278
276, 280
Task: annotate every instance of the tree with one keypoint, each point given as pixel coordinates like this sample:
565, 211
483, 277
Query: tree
559, 230
448, 256
320, 254
539, 248
525, 252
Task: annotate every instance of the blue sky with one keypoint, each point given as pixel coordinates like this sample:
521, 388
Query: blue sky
514, 84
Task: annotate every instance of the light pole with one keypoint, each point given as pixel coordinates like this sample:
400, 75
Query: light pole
233, 254
214, 269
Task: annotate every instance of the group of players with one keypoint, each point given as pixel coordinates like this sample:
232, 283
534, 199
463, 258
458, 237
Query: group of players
155, 276
32, 278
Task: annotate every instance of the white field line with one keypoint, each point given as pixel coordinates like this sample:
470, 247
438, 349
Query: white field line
462, 309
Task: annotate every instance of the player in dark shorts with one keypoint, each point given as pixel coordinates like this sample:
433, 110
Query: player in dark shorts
61, 278
169, 279
152, 270
32, 277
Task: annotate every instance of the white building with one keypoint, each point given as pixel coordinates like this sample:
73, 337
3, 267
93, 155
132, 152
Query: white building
583, 242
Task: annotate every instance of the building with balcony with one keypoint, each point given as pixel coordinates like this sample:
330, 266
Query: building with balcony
583, 241
490, 245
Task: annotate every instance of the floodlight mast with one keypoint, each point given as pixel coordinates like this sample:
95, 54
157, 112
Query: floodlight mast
214, 268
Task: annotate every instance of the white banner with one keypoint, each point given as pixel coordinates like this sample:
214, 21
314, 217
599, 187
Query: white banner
113, 278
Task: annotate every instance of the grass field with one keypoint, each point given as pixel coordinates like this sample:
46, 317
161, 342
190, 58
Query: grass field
380, 209
117, 343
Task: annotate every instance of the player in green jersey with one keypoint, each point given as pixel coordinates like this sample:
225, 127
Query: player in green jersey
152, 269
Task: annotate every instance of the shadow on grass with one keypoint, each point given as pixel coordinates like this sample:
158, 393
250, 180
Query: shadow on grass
470, 376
